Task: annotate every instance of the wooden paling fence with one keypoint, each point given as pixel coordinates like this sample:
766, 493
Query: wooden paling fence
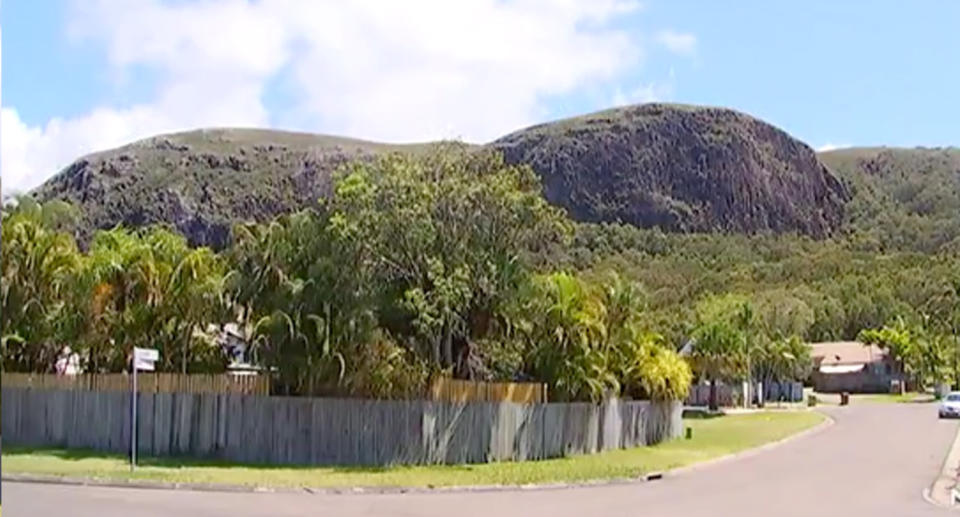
457, 390
324, 431
146, 382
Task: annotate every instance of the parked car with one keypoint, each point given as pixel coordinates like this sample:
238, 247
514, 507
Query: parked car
950, 405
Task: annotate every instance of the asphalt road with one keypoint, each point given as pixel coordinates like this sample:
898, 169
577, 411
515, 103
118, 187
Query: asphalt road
875, 461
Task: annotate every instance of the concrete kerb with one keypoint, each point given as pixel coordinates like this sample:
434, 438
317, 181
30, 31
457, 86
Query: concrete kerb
941, 491
358, 490
347, 490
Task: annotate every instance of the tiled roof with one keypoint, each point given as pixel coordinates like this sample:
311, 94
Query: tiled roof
845, 352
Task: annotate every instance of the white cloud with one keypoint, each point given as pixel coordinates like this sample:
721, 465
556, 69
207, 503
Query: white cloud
677, 42
831, 147
650, 92
395, 71
656, 91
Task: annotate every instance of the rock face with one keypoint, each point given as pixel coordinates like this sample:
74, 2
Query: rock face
681, 168
677, 167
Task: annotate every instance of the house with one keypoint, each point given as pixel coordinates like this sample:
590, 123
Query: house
853, 367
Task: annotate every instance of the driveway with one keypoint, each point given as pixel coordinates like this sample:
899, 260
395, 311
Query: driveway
875, 461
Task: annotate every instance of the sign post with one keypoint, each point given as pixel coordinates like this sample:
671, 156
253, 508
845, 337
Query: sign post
143, 359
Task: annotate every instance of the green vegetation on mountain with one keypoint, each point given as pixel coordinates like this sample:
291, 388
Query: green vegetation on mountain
203, 182
901, 198
669, 166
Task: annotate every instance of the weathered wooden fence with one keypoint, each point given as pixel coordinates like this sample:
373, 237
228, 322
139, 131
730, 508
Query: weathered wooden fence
456, 390
146, 382
732, 394
283, 430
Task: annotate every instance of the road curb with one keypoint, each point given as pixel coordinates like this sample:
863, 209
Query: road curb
940, 492
358, 490
138, 483
216, 487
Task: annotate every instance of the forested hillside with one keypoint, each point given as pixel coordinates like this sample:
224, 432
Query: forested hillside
679, 168
901, 198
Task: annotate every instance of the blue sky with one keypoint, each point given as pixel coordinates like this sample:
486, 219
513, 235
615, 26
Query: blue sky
83, 75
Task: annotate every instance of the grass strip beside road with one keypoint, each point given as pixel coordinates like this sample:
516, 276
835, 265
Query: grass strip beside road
893, 398
712, 437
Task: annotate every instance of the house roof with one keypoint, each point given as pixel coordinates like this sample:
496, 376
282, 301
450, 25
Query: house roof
845, 352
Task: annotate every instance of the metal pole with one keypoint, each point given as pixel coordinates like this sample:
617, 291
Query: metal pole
133, 419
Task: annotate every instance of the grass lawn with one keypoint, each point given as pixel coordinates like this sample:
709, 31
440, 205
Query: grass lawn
894, 398
712, 437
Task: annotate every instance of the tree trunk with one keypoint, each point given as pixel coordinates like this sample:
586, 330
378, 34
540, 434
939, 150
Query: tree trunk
447, 347
713, 395
956, 360
186, 345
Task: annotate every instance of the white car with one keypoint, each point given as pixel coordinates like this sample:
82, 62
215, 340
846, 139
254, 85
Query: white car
950, 406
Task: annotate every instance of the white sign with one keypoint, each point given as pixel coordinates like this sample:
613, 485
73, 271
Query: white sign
143, 358
146, 354
143, 366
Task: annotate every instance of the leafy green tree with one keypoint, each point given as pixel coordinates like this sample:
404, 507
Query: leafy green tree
780, 360
924, 353
308, 297
450, 236
148, 289
39, 264
564, 330
718, 353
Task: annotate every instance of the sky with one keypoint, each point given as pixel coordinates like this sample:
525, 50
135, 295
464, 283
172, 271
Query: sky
77, 76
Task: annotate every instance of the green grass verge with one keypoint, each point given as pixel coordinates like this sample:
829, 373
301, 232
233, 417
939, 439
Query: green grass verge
891, 398
712, 437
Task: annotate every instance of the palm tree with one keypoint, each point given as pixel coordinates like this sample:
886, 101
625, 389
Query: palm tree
38, 262
197, 287
718, 353
562, 323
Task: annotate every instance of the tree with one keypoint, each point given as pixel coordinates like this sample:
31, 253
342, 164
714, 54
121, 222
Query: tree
148, 289
450, 236
718, 353
562, 324
652, 370
922, 351
308, 296
39, 263
780, 359
197, 288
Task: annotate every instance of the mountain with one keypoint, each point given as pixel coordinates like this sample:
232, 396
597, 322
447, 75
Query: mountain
202, 182
902, 198
681, 168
